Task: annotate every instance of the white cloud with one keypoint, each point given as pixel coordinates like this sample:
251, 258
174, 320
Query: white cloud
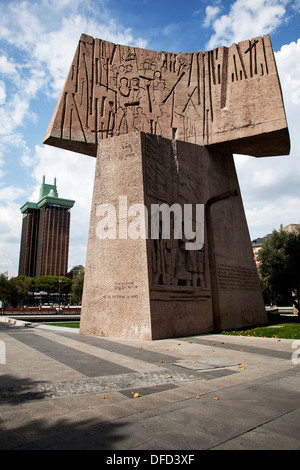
246, 19
288, 64
296, 5
75, 178
2, 92
43, 36
7, 67
2, 164
44, 62
265, 218
11, 221
270, 186
74, 173
11, 193
13, 114
211, 13
55, 48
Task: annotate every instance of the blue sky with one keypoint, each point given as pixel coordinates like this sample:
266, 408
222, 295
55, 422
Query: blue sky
37, 43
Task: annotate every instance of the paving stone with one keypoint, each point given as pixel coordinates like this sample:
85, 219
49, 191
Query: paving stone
256, 408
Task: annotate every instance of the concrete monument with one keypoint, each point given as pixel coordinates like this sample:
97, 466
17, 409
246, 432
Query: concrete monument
163, 127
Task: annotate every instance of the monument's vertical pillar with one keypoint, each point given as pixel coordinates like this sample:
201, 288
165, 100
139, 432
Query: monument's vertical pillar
176, 179
236, 290
116, 288
143, 281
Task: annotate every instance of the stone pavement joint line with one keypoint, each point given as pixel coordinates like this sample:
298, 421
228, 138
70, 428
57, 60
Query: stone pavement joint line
61, 390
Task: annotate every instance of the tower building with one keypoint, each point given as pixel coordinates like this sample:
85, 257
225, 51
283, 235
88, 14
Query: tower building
45, 234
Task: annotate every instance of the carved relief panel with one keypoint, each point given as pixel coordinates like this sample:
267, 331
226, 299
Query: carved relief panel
169, 186
200, 97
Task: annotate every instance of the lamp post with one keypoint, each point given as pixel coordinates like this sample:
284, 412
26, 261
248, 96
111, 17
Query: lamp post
59, 285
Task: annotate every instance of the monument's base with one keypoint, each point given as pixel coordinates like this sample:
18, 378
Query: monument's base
152, 288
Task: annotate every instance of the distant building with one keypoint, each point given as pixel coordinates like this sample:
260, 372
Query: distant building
293, 228
256, 246
45, 234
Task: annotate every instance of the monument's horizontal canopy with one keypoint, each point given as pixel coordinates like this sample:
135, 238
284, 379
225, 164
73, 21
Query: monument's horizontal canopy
229, 97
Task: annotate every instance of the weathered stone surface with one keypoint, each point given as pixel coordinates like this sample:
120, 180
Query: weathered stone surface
155, 288
229, 97
163, 127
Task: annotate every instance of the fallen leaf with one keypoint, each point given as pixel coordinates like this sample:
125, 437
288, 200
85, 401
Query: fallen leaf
197, 397
241, 367
104, 396
161, 361
135, 394
190, 342
216, 398
169, 376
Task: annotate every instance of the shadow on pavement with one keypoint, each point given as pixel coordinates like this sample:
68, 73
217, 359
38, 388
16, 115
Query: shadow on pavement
21, 429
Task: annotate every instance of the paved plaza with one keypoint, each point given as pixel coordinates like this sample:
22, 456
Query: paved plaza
60, 390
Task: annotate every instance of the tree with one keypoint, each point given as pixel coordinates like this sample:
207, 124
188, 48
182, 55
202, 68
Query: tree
77, 287
75, 271
279, 269
13, 291
5, 289
52, 285
23, 285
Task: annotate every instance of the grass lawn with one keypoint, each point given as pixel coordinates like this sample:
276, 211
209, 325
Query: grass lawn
69, 324
279, 326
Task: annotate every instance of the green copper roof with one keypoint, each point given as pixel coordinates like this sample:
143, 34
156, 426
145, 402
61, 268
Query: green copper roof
48, 195
47, 188
28, 205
